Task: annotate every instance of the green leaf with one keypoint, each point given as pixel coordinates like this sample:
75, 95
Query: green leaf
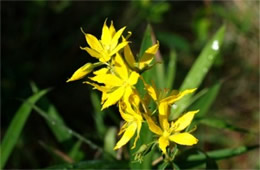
16, 126
221, 124
110, 141
60, 134
192, 158
200, 68
93, 164
147, 40
76, 153
204, 103
171, 70
163, 165
72, 132
98, 115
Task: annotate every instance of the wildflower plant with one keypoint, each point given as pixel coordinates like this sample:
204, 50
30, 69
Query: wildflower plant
116, 75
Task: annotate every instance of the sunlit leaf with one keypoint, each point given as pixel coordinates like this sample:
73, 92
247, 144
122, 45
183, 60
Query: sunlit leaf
200, 68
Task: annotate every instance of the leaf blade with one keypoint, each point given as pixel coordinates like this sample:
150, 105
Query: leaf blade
15, 128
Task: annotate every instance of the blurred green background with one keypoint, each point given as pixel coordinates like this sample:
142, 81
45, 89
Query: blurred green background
40, 43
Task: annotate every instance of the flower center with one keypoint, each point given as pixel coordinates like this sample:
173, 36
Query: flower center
166, 134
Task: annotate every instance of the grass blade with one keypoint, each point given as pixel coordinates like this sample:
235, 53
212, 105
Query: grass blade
171, 70
205, 102
193, 158
72, 132
221, 124
76, 153
200, 68
16, 126
60, 134
110, 141
98, 115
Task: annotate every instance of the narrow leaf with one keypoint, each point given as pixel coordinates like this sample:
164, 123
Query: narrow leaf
192, 158
200, 68
204, 103
76, 153
16, 126
171, 70
98, 115
60, 134
109, 142
221, 124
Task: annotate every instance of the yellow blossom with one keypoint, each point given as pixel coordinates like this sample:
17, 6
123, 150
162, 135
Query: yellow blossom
129, 111
144, 61
172, 131
163, 102
118, 81
108, 46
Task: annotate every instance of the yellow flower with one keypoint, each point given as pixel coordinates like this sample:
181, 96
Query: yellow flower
163, 102
129, 110
83, 71
118, 81
144, 61
105, 48
172, 132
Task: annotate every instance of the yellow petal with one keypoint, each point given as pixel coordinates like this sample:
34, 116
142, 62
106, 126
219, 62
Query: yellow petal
184, 121
113, 97
163, 143
101, 71
139, 125
152, 126
96, 86
118, 47
164, 123
148, 56
112, 29
133, 78
107, 79
151, 90
129, 57
184, 139
81, 72
93, 42
123, 128
173, 98
92, 52
153, 49
122, 110
120, 67
106, 36
129, 133
115, 38
163, 108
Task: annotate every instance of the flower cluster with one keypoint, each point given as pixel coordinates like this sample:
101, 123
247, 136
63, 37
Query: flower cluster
116, 74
